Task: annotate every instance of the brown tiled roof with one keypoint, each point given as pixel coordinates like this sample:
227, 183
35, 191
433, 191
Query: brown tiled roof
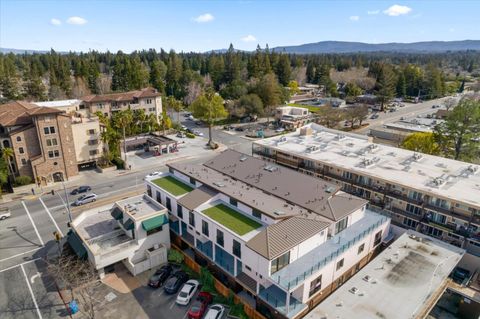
122, 97
196, 197
277, 239
21, 112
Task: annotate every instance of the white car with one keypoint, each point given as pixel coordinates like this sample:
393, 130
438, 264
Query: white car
187, 292
4, 213
197, 133
280, 129
153, 174
215, 312
85, 199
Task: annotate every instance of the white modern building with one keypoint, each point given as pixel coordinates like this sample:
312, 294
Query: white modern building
292, 117
433, 195
133, 231
404, 281
286, 238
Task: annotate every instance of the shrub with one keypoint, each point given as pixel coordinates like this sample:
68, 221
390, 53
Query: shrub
190, 135
23, 180
175, 256
120, 163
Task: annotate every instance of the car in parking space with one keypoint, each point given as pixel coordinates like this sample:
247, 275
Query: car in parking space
197, 133
181, 135
374, 116
160, 276
280, 129
187, 114
81, 189
175, 281
85, 199
5, 213
188, 291
200, 305
198, 123
153, 174
239, 129
183, 127
215, 312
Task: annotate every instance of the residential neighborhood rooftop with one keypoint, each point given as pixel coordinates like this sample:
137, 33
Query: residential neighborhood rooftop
397, 284
231, 219
172, 185
140, 207
58, 103
436, 175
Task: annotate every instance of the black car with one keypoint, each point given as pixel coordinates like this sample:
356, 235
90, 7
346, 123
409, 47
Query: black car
81, 189
239, 129
160, 276
173, 284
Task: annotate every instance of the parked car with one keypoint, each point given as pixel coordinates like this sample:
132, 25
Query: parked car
228, 127
81, 189
4, 213
175, 281
187, 115
239, 129
160, 276
197, 133
188, 291
215, 312
200, 305
280, 129
191, 118
85, 199
181, 134
183, 127
198, 123
153, 174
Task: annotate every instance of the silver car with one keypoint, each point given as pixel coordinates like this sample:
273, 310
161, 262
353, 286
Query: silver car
85, 199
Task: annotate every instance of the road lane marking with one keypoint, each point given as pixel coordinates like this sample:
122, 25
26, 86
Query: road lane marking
32, 279
31, 292
51, 217
33, 224
173, 304
17, 255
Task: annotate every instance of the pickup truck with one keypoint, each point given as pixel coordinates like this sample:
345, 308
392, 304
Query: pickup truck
4, 213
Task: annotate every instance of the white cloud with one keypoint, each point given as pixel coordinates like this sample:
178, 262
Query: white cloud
206, 17
76, 20
249, 38
54, 21
397, 10
354, 18
373, 12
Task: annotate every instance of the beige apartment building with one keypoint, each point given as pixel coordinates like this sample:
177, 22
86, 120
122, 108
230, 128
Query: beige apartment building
87, 140
42, 141
148, 99
437, 196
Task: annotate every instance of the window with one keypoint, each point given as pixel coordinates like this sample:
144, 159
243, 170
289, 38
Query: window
179, 211
56, 153
361, 248
92, 142
205, 228
439, 218
341, 225
414, 209
171, 171
53, 154
378, 238
415, 195
192, 181
149, 101
149, 190
52, 142
233, 202
256, 213
236, 249
169, 204
280, 262
93, 152
340, 263
191, 219
219, 237
20, 150
159, 197
100, 105
410, 222
432, 231
19, 139
24, 161
155, 230
91, 131
315, 286
49, 130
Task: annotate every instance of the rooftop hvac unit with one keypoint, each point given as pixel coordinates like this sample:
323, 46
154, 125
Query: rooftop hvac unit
219, 184
312, 148
340, 137
270, 168
472, 169
243, 158
417, 156
438, 181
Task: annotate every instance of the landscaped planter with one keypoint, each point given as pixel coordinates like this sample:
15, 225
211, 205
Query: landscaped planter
106, 169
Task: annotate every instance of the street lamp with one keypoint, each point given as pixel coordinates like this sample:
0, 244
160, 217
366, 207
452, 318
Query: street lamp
67, 203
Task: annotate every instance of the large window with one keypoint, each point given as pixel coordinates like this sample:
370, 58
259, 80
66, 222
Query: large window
53, 154
414, 209
179, 211
52, 142
220, 238
236, 249
169, 204
191, 219
256, 213
280, 262
233, 202
205, 228
92, 142
315, 286
415, 195
155, 230
21, 150
341, 225
410, 222
340, 263
378, 238
159, 197
361, 248
49, 130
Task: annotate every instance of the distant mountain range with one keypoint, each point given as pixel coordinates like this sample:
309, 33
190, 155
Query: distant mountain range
351, 47
345, 47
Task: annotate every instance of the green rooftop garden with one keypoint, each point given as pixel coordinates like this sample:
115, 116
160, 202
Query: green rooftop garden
172, 185
231, 219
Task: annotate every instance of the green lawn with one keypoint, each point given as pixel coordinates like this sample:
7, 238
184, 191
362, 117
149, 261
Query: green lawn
311, 108
231, 219
173, 185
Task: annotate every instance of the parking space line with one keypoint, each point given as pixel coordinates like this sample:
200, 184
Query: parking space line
31, 292
51, 217
171, 306
18, 255
33, 224
24, 263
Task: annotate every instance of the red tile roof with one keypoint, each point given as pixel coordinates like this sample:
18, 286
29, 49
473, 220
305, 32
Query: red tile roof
21, 113
122, 97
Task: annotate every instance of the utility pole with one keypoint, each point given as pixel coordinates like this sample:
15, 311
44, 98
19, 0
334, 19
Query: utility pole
68, 203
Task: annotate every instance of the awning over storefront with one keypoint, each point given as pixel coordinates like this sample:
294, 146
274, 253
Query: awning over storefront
116, 213
129, 224
154, 222
77, 245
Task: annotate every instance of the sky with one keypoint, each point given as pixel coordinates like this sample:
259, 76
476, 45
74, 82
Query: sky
83, 25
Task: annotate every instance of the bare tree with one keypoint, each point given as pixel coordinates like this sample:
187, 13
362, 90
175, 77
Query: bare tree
356, 114
79, 278
104, 84
450, 103
300, 75
330, 117
194, 89
80, 88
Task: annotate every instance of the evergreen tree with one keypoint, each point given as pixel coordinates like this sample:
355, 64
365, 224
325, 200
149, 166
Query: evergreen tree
401, 87
283, 70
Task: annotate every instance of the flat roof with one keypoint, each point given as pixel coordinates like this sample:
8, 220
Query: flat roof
140, 207
447, 178
59, 103
400, 283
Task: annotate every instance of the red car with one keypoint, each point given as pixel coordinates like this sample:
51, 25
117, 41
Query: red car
200, 305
